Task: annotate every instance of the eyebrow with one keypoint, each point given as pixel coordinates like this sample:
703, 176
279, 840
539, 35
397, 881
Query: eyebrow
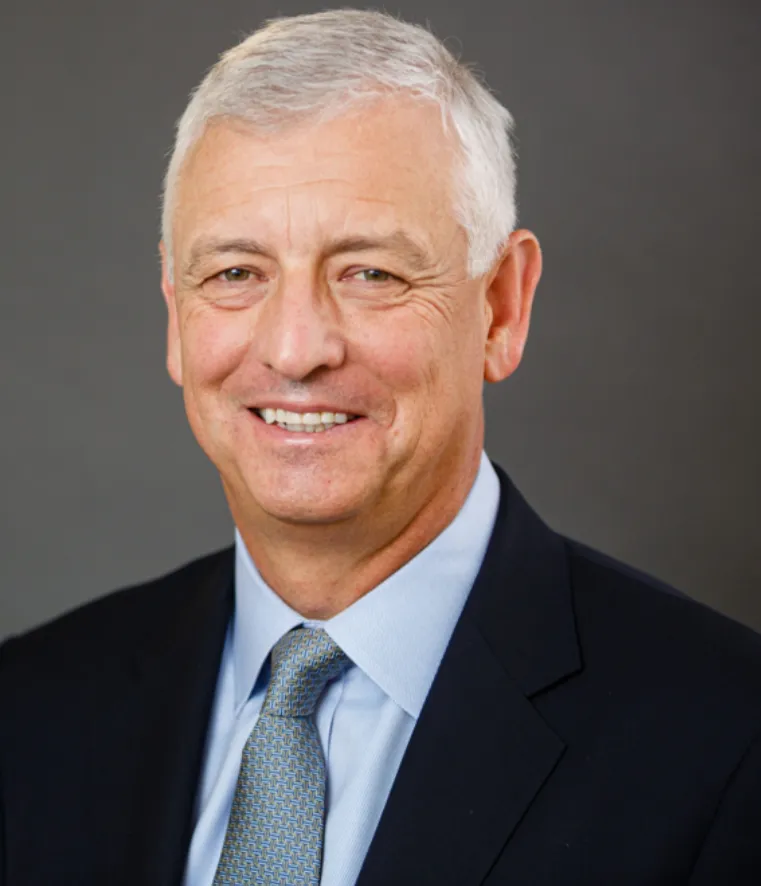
398, 241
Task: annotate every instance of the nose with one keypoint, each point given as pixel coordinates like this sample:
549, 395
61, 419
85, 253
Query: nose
298, 330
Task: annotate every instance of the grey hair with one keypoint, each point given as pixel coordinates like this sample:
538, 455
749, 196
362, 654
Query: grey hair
318, 65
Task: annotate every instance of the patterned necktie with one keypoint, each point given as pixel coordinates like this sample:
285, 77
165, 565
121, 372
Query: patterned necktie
274, 835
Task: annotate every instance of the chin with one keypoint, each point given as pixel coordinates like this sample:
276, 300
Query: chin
307, 503
307, 512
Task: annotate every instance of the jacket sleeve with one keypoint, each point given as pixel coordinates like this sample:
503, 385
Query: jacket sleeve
3, 647
2, 834
731, 852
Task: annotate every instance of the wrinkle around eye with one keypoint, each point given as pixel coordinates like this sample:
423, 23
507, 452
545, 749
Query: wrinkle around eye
393, 291
249, 288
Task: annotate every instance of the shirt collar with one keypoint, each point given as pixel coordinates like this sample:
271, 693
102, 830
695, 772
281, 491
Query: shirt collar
398, 632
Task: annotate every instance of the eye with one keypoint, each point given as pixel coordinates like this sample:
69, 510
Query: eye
234, 275
375, 275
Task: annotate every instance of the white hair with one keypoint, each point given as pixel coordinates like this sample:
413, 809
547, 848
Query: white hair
319, 65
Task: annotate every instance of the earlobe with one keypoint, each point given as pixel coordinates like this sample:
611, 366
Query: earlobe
174, 351
510, 295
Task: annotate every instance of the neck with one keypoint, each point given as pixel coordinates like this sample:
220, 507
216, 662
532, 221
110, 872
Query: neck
320, 570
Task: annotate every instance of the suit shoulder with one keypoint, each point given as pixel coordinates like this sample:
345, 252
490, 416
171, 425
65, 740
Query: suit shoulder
107, 627
626, 616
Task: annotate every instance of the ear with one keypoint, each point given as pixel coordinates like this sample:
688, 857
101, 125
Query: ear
509, 297
174, 350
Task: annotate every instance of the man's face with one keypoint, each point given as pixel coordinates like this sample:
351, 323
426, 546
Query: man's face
321, 270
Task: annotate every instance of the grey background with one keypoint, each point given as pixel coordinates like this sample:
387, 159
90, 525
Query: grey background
633, 423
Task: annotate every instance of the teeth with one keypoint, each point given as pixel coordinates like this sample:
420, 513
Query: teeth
309, 429
304, 421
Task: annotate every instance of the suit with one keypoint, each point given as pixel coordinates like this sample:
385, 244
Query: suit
586, 726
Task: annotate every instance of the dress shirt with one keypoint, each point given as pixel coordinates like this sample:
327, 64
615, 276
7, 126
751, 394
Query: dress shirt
395, 636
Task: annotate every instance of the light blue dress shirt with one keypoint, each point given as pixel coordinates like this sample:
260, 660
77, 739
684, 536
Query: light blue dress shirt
395, 636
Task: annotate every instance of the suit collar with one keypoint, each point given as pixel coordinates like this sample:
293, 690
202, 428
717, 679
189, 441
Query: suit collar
186, 605
521, 602
481, 752
176, 667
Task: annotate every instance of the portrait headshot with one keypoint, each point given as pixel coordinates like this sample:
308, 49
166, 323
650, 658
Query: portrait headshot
304, 582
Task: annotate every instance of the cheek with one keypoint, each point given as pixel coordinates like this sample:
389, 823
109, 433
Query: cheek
438, 365
213, 344
397, 349
407, 354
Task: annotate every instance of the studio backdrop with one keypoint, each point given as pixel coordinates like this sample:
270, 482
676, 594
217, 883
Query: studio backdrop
633, 422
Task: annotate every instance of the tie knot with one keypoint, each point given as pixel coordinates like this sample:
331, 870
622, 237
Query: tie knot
303, 662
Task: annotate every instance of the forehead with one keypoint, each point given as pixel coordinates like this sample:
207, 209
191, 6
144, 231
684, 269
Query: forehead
380, 167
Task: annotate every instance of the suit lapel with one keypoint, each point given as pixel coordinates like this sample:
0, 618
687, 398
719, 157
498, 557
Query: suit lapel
177, 672
480, 752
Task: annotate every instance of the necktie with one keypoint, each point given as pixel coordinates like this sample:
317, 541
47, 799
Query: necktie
274, 835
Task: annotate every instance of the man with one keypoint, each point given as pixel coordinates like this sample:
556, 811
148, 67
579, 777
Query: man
399, 674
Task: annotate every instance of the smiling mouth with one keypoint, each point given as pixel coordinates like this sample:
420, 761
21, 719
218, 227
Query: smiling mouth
304, 422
